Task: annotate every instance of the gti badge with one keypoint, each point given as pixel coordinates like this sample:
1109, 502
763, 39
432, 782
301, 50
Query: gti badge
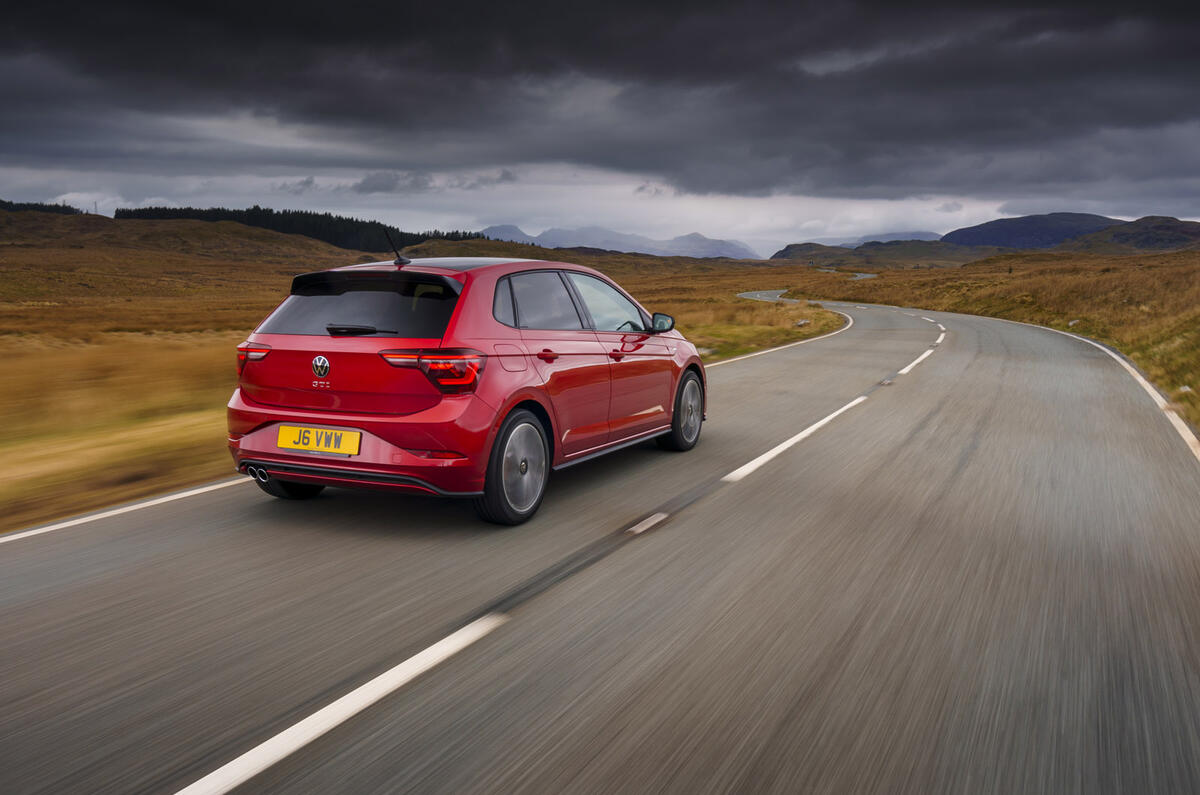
320, 367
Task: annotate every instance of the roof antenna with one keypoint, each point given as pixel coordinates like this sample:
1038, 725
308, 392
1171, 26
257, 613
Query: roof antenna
400, 258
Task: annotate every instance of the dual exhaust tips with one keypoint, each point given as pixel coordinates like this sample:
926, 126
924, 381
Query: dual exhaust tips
258, 473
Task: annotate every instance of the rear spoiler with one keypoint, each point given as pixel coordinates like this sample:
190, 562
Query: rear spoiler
335, 282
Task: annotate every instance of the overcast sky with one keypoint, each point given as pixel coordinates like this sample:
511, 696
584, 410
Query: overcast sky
766, 122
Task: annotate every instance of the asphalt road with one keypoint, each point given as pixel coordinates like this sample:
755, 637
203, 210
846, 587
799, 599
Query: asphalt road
771, 296
984, 577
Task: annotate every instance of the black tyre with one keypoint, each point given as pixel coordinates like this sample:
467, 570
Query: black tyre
689, 415
517, 471
290, 490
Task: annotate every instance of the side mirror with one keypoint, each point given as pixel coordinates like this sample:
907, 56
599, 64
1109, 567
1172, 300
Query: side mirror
661, 323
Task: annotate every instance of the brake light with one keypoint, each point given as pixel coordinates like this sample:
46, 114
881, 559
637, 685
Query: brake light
452, 371
250, 352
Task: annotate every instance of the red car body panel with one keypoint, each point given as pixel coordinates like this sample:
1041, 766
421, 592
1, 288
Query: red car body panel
597, 391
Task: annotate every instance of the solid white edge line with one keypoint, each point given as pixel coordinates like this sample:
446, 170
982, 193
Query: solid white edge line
747, 468
137, 506
849, 323
290, 740
646, 523
915, 362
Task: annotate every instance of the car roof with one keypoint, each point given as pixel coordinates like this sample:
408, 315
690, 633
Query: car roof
458, 264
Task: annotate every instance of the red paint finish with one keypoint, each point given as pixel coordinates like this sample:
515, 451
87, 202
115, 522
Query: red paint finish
429, 408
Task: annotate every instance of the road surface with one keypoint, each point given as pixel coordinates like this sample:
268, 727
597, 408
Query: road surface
771, 296
892, 565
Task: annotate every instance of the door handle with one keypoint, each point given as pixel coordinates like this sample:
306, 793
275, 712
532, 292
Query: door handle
547, 355
616, 355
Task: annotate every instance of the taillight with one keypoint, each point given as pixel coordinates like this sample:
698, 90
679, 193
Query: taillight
251, 352
453, 371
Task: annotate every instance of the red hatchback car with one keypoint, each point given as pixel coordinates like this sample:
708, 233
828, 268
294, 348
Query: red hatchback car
462, 377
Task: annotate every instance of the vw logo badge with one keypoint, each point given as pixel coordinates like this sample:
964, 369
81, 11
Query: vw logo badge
320, 367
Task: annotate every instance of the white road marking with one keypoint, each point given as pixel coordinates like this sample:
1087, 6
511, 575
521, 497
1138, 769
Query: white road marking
646, 523
849, 323
137, 506
931, 320
292, 739
941, 337
943, 328
915, 362
746, 469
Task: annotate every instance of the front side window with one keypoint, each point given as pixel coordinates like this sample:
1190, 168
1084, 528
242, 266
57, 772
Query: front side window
610, 310
543, 302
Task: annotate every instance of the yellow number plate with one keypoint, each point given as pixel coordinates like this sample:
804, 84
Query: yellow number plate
318, 440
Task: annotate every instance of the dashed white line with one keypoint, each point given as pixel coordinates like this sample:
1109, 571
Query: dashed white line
137, 506
941, 337
943, 328
931, 320
646, 523
746, 469
916, 361
292, 739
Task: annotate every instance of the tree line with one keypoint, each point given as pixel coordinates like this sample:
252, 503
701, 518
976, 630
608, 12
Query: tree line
336, 230
64, 208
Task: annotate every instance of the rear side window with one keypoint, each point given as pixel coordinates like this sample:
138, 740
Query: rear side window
610, 310
365, 306
502, 304
543, 301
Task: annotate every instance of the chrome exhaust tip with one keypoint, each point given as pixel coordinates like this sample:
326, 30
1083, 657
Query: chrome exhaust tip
261, 475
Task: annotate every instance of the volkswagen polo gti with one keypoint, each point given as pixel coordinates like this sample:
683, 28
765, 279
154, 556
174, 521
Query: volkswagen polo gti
459, 377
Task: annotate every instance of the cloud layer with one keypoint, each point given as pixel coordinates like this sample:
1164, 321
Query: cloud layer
1017, 104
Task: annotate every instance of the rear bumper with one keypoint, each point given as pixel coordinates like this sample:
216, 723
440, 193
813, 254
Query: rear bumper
334, 476
393, 453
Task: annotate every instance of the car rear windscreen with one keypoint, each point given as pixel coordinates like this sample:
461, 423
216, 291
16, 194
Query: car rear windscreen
364, 306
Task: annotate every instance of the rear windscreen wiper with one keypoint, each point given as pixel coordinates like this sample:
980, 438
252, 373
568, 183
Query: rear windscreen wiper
350, 329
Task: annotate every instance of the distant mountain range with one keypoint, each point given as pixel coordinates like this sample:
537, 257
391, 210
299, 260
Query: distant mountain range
1059, 231
890, 254
1030, 231
880, 237
693, 245
1152, 233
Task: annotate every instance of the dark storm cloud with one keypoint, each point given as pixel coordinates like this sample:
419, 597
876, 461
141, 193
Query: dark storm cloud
392, 181
847, 99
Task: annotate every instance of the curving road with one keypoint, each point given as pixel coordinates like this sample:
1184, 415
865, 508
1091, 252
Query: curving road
984, 576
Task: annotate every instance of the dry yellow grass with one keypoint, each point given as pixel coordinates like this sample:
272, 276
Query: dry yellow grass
118, 339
